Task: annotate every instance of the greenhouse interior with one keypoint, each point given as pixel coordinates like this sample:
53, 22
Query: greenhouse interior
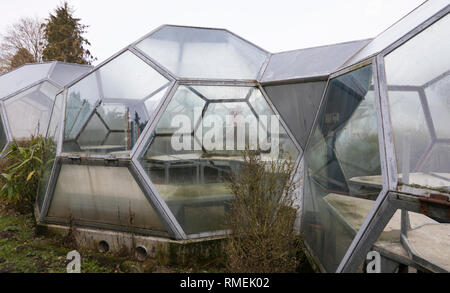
365, 123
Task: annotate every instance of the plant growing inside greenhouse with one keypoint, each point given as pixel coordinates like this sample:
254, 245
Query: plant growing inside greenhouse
262, 217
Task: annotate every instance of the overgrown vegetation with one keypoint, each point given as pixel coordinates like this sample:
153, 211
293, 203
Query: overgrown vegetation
262, 217
21, 171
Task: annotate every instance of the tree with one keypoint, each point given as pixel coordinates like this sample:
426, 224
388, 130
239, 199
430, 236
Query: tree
24, 36
22, 57
64, 37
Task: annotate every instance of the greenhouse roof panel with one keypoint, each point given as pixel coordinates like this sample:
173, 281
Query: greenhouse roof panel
204, 53
310, 62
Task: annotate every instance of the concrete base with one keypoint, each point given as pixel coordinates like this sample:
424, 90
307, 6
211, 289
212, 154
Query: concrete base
166, 251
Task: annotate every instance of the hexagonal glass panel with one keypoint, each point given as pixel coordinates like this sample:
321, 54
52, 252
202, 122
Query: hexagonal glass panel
37, 103
421, 90
100, 195
342, 167
203, 53
190, 176
108, 109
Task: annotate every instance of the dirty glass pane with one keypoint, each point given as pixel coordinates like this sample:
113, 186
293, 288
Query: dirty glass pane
203, 53
342, 164
190, 177
223, 93
22, 77
114, 199
37, 103
420, 118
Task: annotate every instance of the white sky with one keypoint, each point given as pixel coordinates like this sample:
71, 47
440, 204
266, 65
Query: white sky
275, 25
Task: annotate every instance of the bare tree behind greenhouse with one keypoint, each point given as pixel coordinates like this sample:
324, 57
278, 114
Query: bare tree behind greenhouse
23, 38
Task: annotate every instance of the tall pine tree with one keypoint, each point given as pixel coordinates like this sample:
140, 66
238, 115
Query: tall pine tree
64, 35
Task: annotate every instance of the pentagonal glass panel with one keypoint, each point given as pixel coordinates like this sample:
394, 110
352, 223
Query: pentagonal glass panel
203, 53
128, 77
430, 112
22, 77
124, 93
36, 103
189, 177
297, 105
343, 167
99, 195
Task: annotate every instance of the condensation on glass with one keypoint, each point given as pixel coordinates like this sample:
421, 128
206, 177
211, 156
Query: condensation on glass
203, 53
107, 110
99, 195
190, 175
418, 82
342, 167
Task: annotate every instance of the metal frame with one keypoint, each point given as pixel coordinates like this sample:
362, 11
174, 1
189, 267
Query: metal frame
390, 198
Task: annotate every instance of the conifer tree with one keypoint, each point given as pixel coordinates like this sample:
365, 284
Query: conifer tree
64, 37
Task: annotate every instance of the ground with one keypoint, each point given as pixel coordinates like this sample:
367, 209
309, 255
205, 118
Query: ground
23, 251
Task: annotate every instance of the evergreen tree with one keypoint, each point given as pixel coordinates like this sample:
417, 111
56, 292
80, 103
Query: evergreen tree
64, 35
23, 56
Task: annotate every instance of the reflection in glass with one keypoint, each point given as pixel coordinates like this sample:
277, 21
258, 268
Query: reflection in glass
420, 106
343, 173
193, 180
108, 110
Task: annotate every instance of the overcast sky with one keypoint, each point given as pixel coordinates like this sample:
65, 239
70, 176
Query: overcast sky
275, 25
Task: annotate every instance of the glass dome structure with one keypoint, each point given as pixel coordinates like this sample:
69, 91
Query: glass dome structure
114, 133
376, 164
31, 89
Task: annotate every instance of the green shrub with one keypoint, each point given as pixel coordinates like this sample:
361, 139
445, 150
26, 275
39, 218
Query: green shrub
21, 171
262, 217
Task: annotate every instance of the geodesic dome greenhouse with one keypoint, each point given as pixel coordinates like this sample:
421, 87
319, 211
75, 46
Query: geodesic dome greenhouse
366, 123
30, 90
115, 166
